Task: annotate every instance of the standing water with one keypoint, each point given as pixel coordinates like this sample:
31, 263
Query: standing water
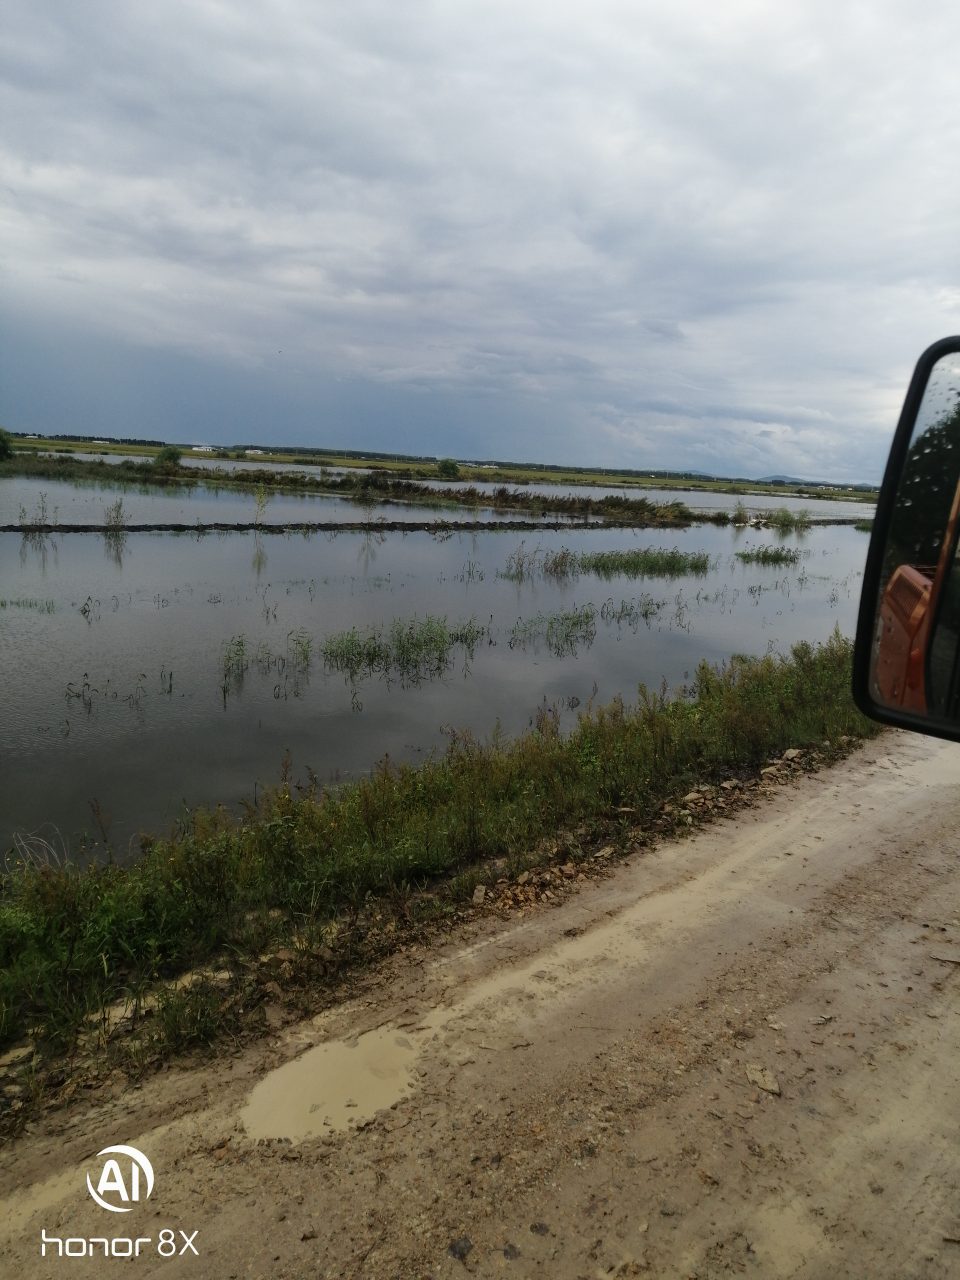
149, 673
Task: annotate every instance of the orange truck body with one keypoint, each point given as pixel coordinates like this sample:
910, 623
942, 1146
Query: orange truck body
904, 626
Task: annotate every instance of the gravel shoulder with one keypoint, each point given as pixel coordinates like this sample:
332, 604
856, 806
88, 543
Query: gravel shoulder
737, 1052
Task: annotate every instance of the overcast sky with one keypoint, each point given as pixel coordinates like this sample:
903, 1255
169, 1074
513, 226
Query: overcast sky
701, 235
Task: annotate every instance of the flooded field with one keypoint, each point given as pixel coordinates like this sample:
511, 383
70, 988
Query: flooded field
146, 673
71, 502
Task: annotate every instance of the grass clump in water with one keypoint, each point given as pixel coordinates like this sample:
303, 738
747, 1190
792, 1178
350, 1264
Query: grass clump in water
563, 632
650, 562
786, 521
632, 612
75, 940
409, 651
38, 606
640, 562
769, 555
234, 661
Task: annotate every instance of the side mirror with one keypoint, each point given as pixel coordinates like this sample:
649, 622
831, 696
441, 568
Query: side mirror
906, 663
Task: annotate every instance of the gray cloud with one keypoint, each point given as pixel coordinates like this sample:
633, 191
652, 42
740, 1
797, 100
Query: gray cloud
685, 235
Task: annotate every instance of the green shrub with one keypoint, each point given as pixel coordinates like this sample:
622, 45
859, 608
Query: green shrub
6, 446
448, 468
168, 458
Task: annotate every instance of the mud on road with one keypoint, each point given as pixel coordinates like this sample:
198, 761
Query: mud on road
739, 1053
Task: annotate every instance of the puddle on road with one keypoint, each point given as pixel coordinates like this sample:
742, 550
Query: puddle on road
331, 1087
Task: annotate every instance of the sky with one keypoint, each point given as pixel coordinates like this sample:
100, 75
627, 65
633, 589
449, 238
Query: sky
690, 236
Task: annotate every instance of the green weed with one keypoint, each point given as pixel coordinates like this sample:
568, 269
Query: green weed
234, 658
563, 632
39, 606
632, 612
645, 562
786, 521
408, 651
769, 555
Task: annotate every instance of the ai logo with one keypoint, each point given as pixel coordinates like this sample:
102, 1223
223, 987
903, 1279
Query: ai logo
111, 1179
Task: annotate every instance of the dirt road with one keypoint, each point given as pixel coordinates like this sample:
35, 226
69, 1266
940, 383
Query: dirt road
738, 1053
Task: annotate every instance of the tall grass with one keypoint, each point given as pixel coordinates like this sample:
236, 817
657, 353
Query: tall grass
639, 562
562, 632
769, 555
633, 612
74, 940
786, 521
40, 606
409, 651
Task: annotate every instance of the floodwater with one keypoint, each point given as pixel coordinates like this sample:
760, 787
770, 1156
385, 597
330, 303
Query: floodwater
116, 702
73, 503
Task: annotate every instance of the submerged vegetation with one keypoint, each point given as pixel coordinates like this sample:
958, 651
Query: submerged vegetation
786, 521
640, 562
563, 632
643, 609
373, 487
407, 651
782, 519
769, 555
76, 940
39, 606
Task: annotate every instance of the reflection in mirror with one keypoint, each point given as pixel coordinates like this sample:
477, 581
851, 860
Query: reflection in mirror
917, 626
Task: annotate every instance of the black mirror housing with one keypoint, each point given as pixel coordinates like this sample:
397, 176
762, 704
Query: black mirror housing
906, 663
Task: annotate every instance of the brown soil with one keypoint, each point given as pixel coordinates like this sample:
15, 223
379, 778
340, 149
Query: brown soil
585, 1090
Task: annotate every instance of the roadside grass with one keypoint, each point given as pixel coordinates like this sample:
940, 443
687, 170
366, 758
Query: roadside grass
308, 865
769, 555
640, 562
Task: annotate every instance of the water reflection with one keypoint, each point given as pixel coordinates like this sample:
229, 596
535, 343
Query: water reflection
259, 561
43, 545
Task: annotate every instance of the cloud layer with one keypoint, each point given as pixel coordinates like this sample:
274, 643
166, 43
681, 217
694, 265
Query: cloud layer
699, 235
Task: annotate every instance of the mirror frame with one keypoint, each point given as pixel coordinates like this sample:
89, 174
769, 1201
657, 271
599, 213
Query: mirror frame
866, 618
